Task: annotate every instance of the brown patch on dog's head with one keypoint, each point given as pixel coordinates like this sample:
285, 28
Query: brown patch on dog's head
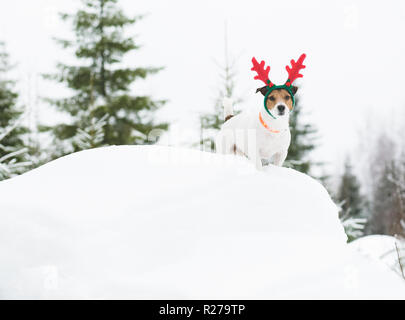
279, 96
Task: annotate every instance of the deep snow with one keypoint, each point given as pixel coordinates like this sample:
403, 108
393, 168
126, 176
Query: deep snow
161, 222
383, 249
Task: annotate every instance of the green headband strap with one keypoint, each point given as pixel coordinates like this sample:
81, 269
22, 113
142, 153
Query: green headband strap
274, 87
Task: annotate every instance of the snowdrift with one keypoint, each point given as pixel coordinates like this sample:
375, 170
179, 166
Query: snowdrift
383, 249
167, 223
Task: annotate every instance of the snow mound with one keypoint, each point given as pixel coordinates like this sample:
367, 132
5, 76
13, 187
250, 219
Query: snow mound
382, 249
167, 223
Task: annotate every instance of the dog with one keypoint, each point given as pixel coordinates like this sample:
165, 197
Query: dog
264, 134
255, 134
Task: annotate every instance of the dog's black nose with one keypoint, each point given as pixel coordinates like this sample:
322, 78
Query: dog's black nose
280, 108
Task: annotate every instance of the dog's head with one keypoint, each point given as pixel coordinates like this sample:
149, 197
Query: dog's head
279, 101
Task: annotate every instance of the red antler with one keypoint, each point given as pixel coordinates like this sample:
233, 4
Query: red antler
262, 73
294, 72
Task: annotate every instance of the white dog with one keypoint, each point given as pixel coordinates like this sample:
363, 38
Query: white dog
256, 135
263, 134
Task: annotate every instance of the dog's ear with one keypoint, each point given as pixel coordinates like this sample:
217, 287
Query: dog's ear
263, 90
294, 89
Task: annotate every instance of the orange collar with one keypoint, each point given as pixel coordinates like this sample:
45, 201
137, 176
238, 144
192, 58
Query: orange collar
265, 124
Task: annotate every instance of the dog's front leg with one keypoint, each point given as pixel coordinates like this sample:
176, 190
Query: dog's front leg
279, 158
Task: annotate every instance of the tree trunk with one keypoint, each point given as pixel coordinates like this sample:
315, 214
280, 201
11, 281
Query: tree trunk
102, 62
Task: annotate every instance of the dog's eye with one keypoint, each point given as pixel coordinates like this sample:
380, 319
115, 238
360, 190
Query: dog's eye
287, 97
272, 98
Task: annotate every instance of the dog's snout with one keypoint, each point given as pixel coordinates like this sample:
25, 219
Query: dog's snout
281, 108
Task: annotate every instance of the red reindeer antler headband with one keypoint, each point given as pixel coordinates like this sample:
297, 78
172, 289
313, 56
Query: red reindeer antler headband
293, 74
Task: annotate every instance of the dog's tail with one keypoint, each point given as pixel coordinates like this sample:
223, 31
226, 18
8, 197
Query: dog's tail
228, 108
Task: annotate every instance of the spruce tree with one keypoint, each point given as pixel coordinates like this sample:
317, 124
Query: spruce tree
397, 177
303, 136
99, 82
92, 136
383, 202
14, 156
349, 196
351, 203
388, 203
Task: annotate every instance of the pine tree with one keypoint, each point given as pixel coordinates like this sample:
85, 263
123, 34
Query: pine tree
211, 122
14, 158
383, 203
386, 182
388, 208
14, 161
92, 136
349, 193
351, 203
303, 136
100, 83
397, 177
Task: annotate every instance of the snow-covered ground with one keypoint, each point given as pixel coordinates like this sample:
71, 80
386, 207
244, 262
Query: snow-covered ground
383, 249
161, 222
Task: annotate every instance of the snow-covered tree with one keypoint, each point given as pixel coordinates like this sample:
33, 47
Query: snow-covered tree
349, 193
351, 203
402, 224
303, 140
91, 136
388, 201
13, 149
397, 177
100, 82
354, 227
11, 162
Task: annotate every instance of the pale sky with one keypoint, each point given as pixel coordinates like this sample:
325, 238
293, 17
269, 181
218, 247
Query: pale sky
355, 57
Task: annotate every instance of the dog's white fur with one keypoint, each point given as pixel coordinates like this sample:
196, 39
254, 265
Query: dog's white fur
244, 135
